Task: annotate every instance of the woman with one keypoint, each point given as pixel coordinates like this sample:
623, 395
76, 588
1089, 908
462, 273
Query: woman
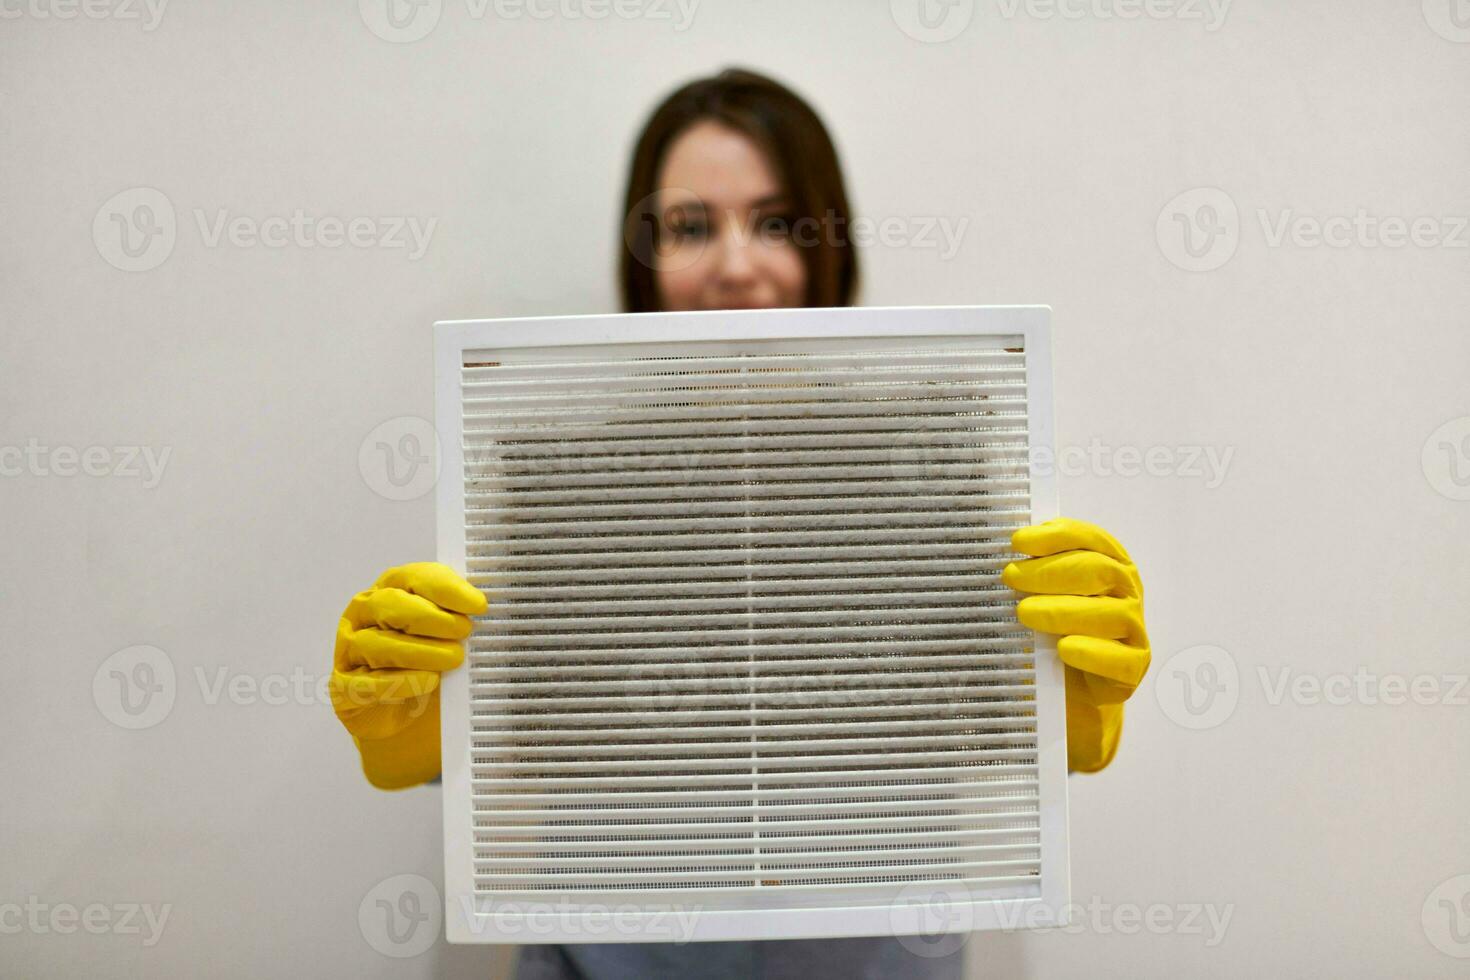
735, 201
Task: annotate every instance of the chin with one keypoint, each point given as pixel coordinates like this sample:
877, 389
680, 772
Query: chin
748, 303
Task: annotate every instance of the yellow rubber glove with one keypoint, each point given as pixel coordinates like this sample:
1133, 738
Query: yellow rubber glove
1092, 596
393, 642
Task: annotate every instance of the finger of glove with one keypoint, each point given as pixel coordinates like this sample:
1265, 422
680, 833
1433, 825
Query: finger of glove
389, 649
1071, 573
363, 687
1100, 616
1120, 665
438, 583
395, 609
1065, 534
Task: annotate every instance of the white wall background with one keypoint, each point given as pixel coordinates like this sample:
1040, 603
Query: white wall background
1329, 833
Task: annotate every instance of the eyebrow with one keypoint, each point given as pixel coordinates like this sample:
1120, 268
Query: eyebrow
780, 197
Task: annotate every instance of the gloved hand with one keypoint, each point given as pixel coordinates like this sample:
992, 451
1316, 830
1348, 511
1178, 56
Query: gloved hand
392, 643
1092, 596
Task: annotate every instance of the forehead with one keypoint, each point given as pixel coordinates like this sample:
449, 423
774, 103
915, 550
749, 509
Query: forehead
719, 164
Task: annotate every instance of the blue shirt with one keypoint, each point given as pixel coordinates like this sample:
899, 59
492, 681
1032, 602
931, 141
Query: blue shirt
879, 958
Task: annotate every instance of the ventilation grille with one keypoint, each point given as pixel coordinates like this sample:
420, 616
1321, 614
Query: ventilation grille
746, 630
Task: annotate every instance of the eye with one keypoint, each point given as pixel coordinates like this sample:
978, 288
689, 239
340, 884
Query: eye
683, 223
775, 226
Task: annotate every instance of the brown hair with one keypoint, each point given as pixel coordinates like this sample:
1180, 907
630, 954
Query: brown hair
793, 137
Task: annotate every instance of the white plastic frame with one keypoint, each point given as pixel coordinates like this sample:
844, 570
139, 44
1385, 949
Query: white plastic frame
481, 919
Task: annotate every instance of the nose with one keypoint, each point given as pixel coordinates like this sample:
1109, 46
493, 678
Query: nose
737, 267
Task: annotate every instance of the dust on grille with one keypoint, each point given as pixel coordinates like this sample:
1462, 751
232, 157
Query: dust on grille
747, 630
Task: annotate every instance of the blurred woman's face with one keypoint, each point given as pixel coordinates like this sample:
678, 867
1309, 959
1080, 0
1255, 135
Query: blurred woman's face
727, 220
